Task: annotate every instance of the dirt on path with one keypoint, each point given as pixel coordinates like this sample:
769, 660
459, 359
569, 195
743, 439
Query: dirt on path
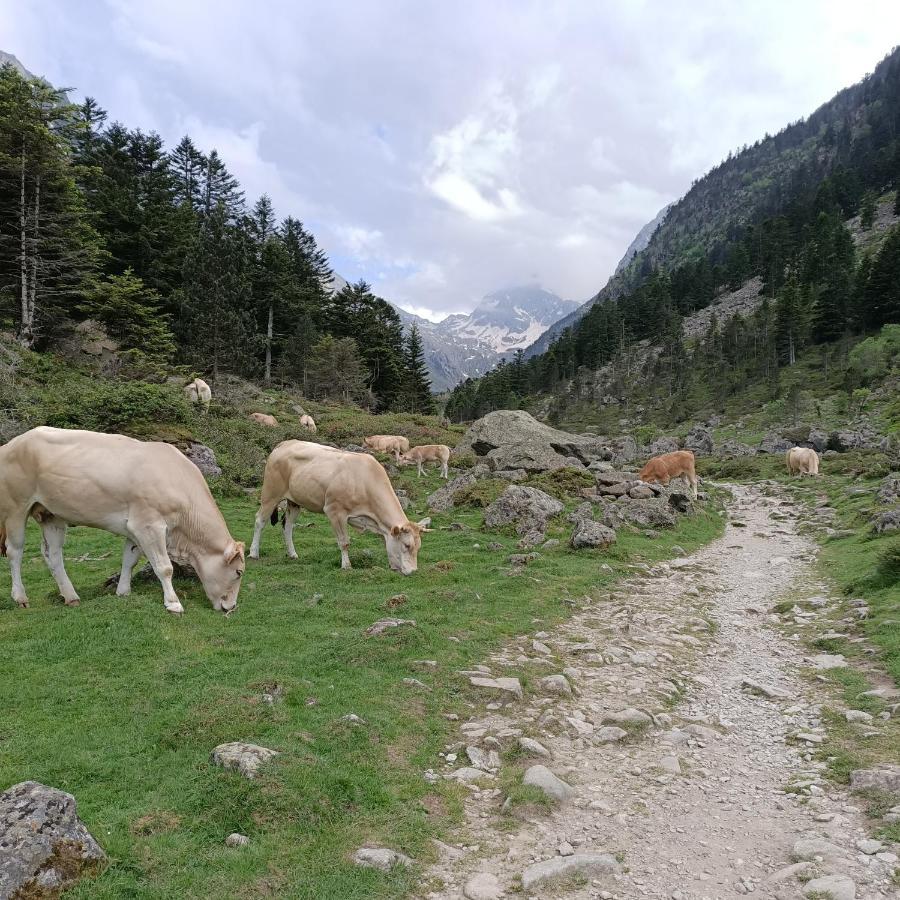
686, 749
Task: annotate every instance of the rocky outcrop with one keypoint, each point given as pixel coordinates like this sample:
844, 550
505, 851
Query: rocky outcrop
527, 509
889, 490
774, 443
700, 440
735, 448
663, 445
44, 847
513, 439
444, 498
864, 438
887, 521
589, 533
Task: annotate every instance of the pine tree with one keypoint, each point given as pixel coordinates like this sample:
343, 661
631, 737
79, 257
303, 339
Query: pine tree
188, 166
48, 250
221, 188
336, 370
867, 211
418, 382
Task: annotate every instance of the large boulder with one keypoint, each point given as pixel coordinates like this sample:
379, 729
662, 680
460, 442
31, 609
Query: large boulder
663, 445
700, 440
735, 448
887, 521
444, 497
44, 846
527, 509
775, 443
806, 436
889, 491
862, 439
513, 439
655, 513
203, 458
589, 533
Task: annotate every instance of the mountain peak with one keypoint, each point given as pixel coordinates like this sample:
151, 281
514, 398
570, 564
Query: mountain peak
10, 59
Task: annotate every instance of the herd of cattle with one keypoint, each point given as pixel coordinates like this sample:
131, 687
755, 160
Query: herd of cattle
154, 497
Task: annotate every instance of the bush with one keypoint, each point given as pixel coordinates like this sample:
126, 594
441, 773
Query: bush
480, 494
889, 560
562, 483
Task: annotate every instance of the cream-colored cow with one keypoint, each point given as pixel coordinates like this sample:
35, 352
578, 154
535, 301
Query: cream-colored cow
308, 422
394, 444
198, 393
150, 493
439, 453
264, 419
802, 461
349, 488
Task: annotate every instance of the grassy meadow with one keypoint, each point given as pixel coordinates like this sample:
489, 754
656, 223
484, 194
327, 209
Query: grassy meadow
120, 703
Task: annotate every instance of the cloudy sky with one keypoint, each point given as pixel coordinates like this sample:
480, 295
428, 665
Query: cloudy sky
444, 150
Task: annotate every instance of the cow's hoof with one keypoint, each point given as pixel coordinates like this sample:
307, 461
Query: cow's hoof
292, 556
22, 604
123, 593
73, 602
175, 608
254, 555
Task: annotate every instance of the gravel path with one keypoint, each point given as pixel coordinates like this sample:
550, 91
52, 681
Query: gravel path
677, 766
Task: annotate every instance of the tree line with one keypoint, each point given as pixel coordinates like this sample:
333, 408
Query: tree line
102, 222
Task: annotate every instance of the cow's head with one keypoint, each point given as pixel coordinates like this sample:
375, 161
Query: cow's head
402, 543
221, 576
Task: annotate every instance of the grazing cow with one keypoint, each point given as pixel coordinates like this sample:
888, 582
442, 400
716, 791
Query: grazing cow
802, 461
264, 419
150, 493
308, 422
347, 487
393, 444
671, 465
198, 392
439, 453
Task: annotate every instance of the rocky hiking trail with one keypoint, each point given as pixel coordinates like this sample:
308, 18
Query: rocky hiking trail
672, 727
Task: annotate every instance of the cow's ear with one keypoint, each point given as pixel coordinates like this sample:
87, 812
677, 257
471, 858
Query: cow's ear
234, 551
395, 530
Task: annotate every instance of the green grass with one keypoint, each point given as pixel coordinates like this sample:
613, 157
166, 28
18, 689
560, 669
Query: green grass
120, 704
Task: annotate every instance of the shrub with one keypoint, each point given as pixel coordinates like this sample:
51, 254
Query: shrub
889, 560
562, 483
480, 494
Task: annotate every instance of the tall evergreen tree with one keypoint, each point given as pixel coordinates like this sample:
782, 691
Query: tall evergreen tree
418, 381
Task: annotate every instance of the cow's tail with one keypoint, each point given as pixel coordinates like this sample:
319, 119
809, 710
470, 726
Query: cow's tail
274, 517
2, 541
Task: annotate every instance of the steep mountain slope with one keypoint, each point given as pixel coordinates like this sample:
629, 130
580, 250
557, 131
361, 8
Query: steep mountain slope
642, 238
10, 59
466, 346
764, 180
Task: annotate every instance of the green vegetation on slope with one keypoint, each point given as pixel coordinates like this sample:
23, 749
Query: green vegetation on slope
120, 703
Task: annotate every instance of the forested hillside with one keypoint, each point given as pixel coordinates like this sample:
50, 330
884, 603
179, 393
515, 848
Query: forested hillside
161, 247
778, 211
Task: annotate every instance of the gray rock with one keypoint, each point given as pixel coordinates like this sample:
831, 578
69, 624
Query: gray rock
443, 498
483, 886
863, 439
858, 716
834, 887
736, 449
556, 684
629, 717
807, 849
203, 458
610, 734
542, 778
527, 509
641, 492
44, 846
670, 764
889, 490
591, 534
507, 686
681, 502
238, 756
869, 847
765, 690
582, 511
663, 445
885, 779
383, 625
823, 661
380, 858
588, 864
530, 458
700, 440
887, 521
237, 840
468, 774
655, 513
773, 443
533, 748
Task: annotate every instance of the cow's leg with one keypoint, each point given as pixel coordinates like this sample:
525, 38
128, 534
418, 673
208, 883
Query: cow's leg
691, 478
421, 469
151, 537
53, 532
267, 506
130, 555
339, 526
444, 473
290, 517
15, 547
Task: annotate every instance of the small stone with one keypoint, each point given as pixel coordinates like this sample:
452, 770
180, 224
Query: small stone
415, 683
380, 858
631, 717
238, 756
556, 684
383, 625
237, 840
498, 685
766, 690
834, 887
540, 647
610, 734
823, 661
566, 849
542, 778
671, 765
533, 748
857, 715
807, 849
886, 779
483, 886
869, 847
468, 774
560, 866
